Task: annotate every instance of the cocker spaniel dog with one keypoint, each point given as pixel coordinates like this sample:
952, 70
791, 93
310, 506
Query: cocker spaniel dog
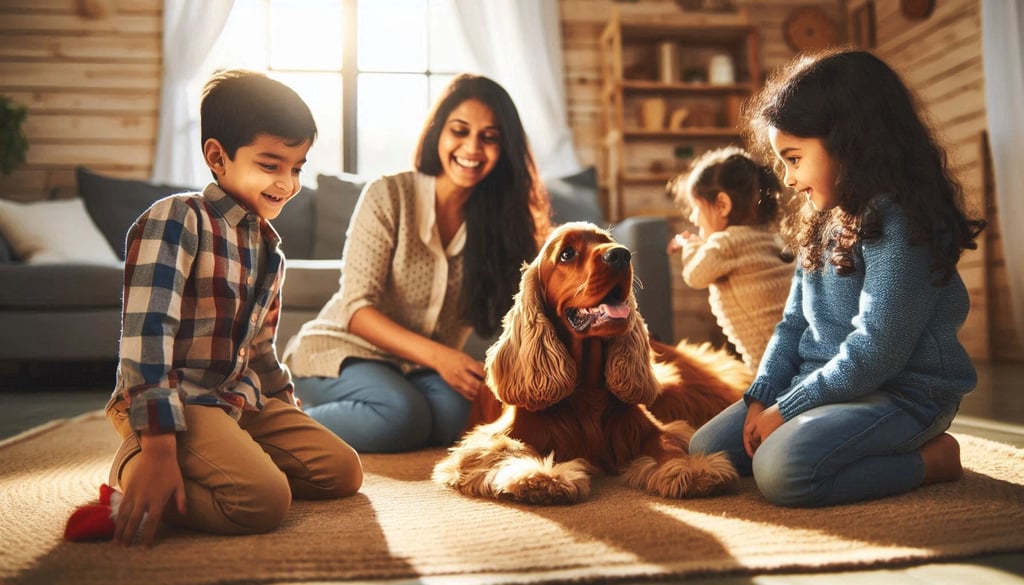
585, 392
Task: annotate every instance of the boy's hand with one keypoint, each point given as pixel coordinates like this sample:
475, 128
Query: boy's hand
155, 480
291, 398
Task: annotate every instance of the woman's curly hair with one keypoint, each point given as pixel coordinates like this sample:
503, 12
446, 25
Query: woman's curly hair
869, 122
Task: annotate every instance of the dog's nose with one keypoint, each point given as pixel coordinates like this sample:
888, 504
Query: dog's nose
616, 257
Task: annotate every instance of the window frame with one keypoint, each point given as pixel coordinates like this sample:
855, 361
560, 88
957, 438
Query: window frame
350, 73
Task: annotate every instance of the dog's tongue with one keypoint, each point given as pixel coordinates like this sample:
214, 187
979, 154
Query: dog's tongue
619, 311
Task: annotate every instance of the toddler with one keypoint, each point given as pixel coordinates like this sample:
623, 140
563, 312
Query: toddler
737, 254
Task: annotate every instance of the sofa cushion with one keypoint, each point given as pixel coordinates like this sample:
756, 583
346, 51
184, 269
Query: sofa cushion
59, 287
114, 204
47, 232
574, 198
336, 197
309, 284
295, 224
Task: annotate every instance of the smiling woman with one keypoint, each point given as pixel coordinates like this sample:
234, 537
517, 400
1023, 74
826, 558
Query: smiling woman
430, 254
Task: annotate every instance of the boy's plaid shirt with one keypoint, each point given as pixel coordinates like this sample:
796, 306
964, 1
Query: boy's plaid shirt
197, 327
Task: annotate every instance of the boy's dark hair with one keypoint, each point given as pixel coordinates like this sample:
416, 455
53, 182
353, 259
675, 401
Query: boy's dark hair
870, 123
753, 188
238, 105
502, 214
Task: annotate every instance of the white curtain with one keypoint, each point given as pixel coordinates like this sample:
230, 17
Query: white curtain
1003, 56
518, 43
191, 28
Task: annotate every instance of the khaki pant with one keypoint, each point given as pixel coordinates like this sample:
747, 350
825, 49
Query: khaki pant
240, 476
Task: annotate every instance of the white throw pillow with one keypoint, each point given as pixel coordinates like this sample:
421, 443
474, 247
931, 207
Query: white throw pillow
51, 232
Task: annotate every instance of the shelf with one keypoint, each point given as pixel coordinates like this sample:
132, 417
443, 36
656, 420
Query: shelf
640, 84
645, 86
701, 27
654, 178
703, 132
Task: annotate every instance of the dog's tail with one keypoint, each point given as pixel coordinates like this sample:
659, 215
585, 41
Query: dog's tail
697, 381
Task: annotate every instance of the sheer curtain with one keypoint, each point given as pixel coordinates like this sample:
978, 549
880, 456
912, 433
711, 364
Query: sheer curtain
191, 27
518, 43
1003, 56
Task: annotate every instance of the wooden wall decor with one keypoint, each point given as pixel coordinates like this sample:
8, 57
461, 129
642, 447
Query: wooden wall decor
862, 26
916, 9
94, 8
810, 28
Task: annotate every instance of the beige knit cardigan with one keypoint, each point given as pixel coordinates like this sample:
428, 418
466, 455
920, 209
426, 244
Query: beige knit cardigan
747, 283
394, 261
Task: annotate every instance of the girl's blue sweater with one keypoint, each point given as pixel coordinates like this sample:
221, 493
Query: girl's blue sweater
885, 327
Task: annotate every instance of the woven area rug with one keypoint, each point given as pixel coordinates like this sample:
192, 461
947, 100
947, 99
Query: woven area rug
402, 526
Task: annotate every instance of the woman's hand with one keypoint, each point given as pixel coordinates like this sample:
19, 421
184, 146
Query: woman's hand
463, 373
154, 481
460, 371
759, 424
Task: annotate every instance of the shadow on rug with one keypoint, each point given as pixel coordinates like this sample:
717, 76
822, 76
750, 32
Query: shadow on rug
402, 526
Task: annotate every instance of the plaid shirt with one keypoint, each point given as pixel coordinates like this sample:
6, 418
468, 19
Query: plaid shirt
199, 318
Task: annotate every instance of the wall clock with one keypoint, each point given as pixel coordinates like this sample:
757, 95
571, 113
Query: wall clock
809, 28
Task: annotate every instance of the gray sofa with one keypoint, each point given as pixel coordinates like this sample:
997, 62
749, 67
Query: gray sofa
71, 312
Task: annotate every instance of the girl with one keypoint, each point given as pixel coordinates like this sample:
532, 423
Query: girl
864, 373
737, 255
430, 253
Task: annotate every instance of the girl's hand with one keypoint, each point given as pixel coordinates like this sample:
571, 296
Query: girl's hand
754, 410
675, 244
460, 371
679, 240
758, 426
155, 480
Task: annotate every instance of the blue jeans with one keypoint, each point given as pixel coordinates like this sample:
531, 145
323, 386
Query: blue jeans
377, 409
837, 453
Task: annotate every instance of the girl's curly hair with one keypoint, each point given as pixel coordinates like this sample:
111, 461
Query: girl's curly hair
870, 123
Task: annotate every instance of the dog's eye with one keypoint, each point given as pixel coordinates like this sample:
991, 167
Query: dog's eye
566, 255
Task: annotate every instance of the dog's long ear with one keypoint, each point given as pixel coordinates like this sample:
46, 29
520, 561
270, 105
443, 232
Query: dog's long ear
529, 366
627, 368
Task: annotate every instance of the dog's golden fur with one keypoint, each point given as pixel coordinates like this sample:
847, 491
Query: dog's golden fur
585, 392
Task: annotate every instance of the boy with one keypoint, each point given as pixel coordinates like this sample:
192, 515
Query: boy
212, 438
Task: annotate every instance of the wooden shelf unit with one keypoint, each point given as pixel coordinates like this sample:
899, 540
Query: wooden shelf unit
640, 159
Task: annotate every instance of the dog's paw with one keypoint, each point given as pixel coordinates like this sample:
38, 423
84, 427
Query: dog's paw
682, 477
541, 481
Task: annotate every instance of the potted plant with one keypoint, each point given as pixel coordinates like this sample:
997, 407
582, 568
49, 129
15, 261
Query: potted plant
13, 143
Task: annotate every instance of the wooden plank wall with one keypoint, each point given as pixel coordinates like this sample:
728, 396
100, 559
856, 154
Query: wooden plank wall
92, 87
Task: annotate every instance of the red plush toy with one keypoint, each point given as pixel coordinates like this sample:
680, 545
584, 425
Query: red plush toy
95, 521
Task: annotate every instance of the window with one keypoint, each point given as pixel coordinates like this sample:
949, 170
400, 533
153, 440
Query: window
369, 70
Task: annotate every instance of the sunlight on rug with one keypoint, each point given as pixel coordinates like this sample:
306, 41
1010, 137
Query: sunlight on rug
402, 526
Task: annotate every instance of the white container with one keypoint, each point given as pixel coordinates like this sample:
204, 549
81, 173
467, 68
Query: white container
720, 70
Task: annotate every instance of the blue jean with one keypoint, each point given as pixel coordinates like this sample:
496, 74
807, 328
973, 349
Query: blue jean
837, 453
377, 409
